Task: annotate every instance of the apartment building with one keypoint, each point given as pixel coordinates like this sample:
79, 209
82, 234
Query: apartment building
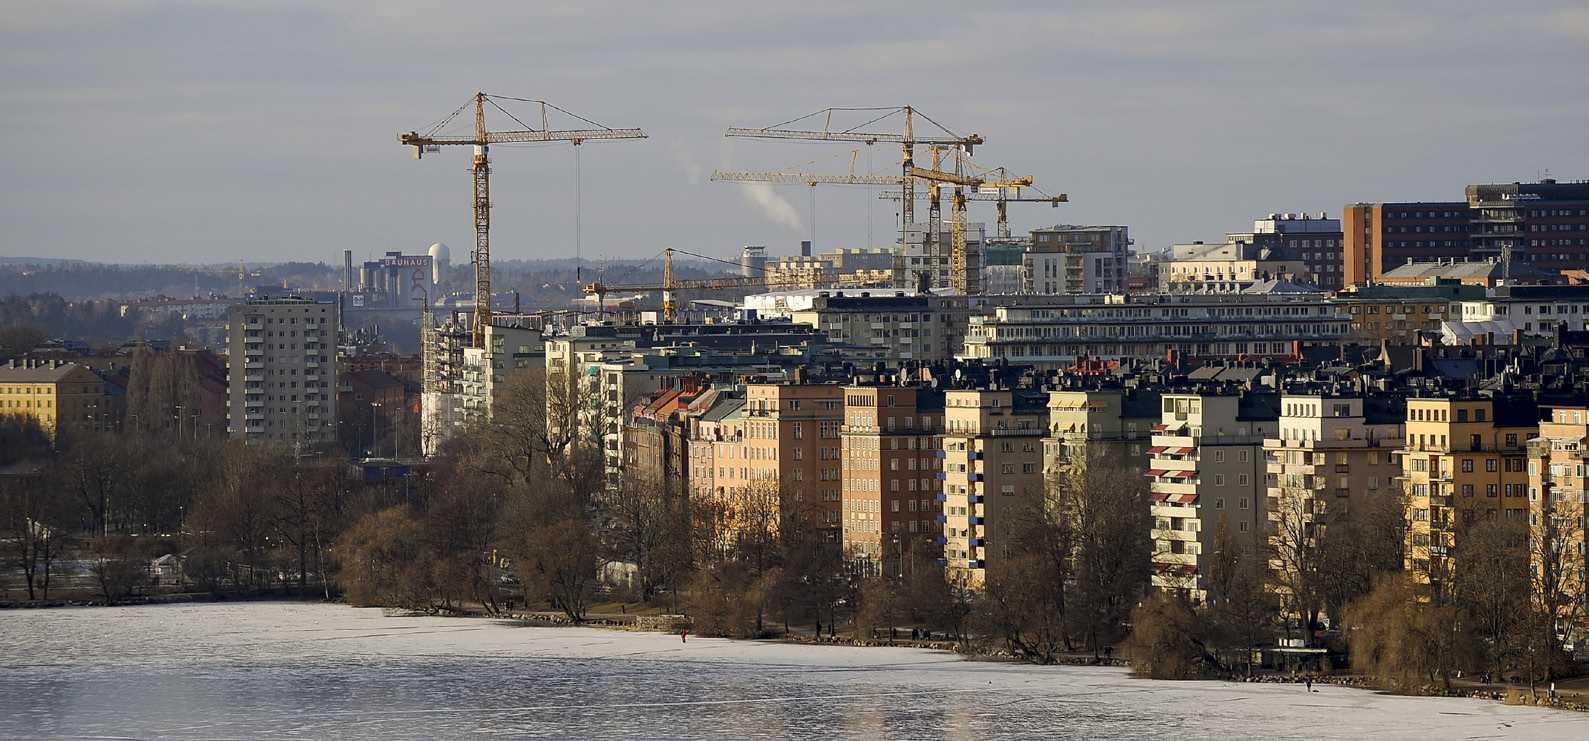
1331, 447
1207, 468
1464, 461
1558, 515
890, 325
1401, 314
1109, 423
889, 474
1053, 333
992, 465
63, 397
1544, 224
282, 370
780, 453
1073, 260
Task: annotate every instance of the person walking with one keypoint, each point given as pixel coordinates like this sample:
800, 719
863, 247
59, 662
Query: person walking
684, 636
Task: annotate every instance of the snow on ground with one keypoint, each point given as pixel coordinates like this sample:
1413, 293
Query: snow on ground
317, 671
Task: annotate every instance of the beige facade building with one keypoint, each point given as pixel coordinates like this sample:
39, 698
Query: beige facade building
1558, 516
1329, 450
993, 464
781, 454
1111, 423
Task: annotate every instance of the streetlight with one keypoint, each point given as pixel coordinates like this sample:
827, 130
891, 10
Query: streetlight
179, 421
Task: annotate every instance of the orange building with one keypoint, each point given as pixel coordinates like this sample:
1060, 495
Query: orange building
890, 484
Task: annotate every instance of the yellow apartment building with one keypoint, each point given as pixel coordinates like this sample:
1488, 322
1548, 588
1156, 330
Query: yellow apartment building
1464, 461
62, 396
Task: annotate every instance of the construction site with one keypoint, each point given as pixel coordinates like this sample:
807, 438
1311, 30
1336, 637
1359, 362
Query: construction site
477, 342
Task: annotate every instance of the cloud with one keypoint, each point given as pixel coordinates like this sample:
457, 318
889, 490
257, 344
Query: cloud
773, 206
692, 169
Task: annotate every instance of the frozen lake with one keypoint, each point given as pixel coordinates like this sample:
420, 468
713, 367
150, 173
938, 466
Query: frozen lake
267, 670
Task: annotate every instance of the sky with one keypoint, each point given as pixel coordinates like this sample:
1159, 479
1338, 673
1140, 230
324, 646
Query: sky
226, 130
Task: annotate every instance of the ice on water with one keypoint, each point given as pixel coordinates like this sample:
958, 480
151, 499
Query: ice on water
273, 670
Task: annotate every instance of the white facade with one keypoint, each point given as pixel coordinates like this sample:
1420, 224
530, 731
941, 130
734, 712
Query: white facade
1071, 260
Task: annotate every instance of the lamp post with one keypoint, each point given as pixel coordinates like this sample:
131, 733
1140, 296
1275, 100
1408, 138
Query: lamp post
179, 421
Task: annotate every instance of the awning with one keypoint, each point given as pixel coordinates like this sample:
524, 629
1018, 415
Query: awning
1157, 472
1187, 498
1160, 428
1180, 451
1181, 474
1187, 568
1155, 450
1160, 496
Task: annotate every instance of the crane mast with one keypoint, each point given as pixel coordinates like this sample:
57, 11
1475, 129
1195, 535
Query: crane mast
481, 141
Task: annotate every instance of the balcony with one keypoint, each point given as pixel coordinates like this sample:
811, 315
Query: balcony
253, 365
254, 377
943, 518
942, 497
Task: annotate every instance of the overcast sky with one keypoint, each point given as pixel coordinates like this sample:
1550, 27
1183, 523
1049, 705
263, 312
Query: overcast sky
266, 131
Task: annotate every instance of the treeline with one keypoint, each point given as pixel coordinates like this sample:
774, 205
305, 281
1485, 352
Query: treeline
97, 281
98, 510
28, 319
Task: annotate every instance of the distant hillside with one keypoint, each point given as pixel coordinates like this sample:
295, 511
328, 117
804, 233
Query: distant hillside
41, 261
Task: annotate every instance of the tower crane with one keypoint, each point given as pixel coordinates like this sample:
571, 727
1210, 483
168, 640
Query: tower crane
1000, 194
481, 140
912, 176
669, 285
907, 141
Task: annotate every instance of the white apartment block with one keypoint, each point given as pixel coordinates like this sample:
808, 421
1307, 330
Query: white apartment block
1070, 260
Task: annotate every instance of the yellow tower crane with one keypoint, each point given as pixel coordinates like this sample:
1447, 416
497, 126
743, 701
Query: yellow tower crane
481, 140
669, 285
907, 140
961, 278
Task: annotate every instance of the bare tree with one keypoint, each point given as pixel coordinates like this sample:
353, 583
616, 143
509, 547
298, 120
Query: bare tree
1242, 611
1106, 506
30, 516
1558, 569
559, 562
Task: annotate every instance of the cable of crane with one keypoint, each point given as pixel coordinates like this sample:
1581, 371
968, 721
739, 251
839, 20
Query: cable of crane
579, 263
548, 105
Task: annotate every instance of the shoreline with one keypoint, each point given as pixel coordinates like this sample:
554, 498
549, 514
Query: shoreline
654, 623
